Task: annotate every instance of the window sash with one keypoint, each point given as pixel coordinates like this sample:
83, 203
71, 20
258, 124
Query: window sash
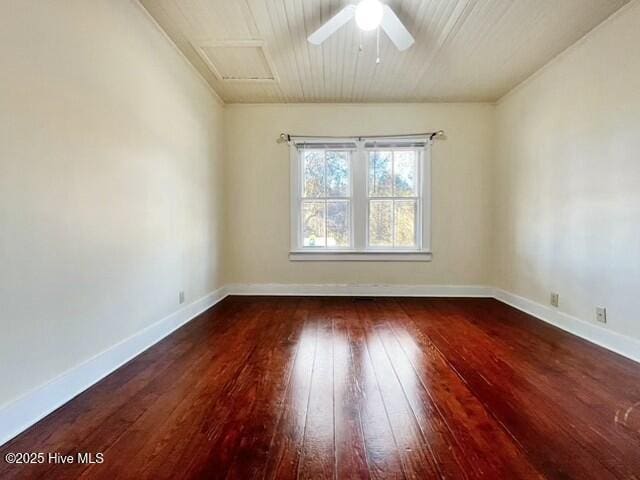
324, 198
393, 198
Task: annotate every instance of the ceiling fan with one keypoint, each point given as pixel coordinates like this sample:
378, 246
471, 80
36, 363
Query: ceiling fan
369, 15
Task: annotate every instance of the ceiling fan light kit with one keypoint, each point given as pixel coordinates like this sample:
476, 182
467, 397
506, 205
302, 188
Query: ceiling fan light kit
369, 15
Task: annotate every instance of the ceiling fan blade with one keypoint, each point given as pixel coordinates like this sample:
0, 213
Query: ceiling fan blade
394, 28
334, 23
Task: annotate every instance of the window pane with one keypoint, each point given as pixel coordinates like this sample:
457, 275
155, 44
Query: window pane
338, 221
381, 223
337, 174
405, 223
313, 173
404, 170
313, 224
380, 174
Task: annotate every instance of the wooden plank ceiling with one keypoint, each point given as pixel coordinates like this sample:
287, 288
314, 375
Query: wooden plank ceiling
465, 50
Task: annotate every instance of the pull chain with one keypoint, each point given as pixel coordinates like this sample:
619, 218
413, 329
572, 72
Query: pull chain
377, 45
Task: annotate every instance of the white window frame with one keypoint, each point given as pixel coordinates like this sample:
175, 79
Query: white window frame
359, 219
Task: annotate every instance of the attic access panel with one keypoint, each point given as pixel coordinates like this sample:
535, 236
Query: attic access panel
238, 60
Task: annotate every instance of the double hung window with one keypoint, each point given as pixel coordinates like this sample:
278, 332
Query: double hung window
360, 199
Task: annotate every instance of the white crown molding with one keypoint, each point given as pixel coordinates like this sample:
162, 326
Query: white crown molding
162, 31
23, 412
567, 51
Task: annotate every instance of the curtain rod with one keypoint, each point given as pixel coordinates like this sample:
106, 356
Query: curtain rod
288, 137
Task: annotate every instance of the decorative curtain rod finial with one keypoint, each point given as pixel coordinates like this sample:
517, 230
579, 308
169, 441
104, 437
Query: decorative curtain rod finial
284, 138
439, 133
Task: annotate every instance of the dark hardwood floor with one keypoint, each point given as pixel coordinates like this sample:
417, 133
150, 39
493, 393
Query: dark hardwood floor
263, 387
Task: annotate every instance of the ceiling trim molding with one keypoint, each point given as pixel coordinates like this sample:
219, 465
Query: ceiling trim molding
328, 104
158, 27
567, 51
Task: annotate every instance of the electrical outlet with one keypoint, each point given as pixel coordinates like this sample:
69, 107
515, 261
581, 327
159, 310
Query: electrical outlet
555, 299
181, 296
601, 314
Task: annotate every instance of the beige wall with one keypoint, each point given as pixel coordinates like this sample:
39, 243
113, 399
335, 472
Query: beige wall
110, 186
567, 198
257, 191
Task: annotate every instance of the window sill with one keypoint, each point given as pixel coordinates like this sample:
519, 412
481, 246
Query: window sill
351, 256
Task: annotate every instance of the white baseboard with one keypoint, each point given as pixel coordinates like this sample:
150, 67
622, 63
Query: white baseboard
20, 414
349, 289
625, 346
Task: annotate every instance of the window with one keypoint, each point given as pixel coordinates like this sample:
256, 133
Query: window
361, 199
392, 199
326, 198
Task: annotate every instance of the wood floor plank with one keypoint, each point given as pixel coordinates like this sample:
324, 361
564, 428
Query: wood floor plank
287, 388
217, 385
473, 429
284, 444
351, 453
274, 378
383, 457
417, 458
317, 460
449, 459
255, 395
222, 431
